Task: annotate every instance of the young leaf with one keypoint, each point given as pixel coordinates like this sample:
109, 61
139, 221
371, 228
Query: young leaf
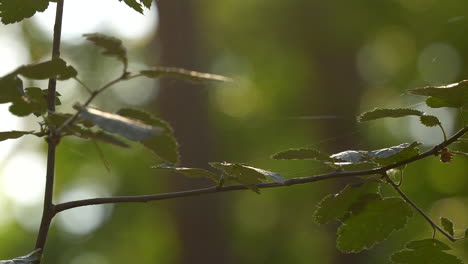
31, 258
164, 145
246, 175
113, 47
11, 88
194, 76
12, 11
123, 126
55, 68
301, 154
447, 225
372, 223
429, 120
378, 113
452, 95
394, 154
427, 251
190, 172
338, 206
13, 134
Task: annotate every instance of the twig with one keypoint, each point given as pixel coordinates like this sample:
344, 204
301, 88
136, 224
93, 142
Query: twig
52, 140
420, 211
290, 182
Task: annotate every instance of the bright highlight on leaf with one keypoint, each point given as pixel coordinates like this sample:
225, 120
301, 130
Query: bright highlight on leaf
28, 259
194, 76
447, 225
371, 221
452, 95
113, 47
189, 172
123, 126
246, 175
12, 11
427, 251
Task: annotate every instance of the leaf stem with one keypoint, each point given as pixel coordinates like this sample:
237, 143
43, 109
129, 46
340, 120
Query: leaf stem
419, 210
443, 131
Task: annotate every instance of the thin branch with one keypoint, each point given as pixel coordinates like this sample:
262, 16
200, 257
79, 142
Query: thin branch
419, 210
290, 182
52, 139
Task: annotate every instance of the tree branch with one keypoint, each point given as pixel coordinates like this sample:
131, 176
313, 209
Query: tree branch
52, 139
216, 189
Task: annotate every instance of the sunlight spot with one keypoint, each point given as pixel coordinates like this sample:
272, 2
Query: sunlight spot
83, 220
87, 16
23, 177
439, 63
240, 100
13, 52
29, 217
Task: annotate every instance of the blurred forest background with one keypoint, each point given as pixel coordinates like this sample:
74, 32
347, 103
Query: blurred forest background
303, 70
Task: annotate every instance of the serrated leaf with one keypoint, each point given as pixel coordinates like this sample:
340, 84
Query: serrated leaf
55, 68
301, 154
34, 101
378, 113
123, 126
189, 172
13, 134
113, 47
158, 72
351, 156
452, 95
164, 145
427, 251
338, 206
387, 156
447, 225
12, 11
11, 88
137, 6
372, 223
28, 259
147, 3
246, 175
429, 120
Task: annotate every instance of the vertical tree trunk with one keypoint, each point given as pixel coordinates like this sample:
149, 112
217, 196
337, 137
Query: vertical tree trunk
183, 104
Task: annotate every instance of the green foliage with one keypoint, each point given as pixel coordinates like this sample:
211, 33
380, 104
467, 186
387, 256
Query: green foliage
162, 144
427, 251
429, 120
452, 95
189, 172
246, 175
194, 76
387, 156
137, 6
301, 154
12, 11
55, 68
28, 259
447, 225
13, 134
113, 47
370, 222
378, 113
338, 206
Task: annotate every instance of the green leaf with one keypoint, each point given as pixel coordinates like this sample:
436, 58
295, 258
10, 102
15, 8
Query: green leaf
163, 145
55, 68
194, 76
28, 259
447, 225
34, 102
301, 154
189, 172
147, 3
57, 119
429, 120
123, 126
12, 11
387, 156
427, 251
137, 6
113, 47
373, 222
11, 88
13, 134
378, 113
452, 95
246, 175
338, 206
